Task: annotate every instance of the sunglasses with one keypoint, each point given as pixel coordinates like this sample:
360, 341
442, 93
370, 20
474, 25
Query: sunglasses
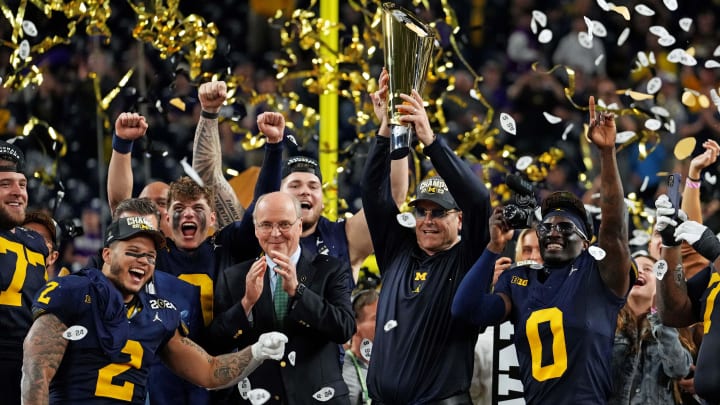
563, 228
434, 214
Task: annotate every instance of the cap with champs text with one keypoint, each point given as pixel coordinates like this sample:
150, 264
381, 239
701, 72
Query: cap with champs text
435, 190
128, 227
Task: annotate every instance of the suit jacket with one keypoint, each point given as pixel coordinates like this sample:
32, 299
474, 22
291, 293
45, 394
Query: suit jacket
316, 323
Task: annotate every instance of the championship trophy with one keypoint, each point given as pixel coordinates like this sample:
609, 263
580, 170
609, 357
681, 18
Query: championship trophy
408, 52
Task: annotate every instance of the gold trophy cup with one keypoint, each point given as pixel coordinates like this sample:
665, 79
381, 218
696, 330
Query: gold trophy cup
408, 53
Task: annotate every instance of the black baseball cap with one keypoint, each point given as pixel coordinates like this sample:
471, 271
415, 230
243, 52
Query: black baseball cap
435, 190
301, 164
13, 154
128, 227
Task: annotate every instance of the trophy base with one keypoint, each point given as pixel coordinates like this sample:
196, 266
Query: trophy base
399, 141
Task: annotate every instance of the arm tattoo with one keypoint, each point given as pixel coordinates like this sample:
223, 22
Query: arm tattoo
680, 279
233, 367
207, 161
43, 351
197, 348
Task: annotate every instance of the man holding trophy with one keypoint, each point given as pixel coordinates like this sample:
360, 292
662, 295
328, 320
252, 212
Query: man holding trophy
420, 354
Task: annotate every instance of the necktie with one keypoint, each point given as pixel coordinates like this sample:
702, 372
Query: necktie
280, 301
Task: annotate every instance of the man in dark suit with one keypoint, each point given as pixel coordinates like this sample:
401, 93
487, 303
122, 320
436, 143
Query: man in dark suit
304, 295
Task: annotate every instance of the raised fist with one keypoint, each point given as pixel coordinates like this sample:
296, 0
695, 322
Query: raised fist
272, 125
130, 126
212, 96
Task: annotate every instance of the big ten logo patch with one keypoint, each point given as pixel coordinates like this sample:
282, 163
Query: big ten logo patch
161, 303
519, 281
507, 385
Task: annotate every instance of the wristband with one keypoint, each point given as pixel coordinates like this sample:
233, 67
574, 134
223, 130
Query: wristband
692, 179
689, 183
209, 115
121, 145
708, 245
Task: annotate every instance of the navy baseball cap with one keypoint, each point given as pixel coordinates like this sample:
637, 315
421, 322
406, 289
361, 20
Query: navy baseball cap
12, 154
301, 164
435, 190
128, 227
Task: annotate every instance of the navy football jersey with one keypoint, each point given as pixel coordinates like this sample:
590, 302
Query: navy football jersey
703, 291
564, 331
87, 373
22, 274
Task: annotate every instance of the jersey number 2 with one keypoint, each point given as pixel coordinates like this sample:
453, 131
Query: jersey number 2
710, 301
13, 294
124, 392
559, 350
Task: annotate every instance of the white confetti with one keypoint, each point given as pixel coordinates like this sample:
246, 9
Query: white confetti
540, 17
640, 236
688, 60
75, 332
474, 94
671, 4
244, 387
667, 40
711, 64
585, 40
716, 52
642, 58
613, 106
675, 55
258, 396
24, 49
389, 325
685, 24
291, 358
653, 124
523, 163
715, 97
623, 36
659, 31
366, 348
660, 268
597, 252
651, 57
653, 85
191, 172
406, 219
644, 185
589, 24
324, 394
566, 132
508, 123
661, 111
670, 126
533, 26
710, 178
29, 28
599, 59
598, 29
624, 136
545, 36
551, 118
644, 10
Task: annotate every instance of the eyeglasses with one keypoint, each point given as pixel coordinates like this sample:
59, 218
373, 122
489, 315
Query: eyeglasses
563, 228
434, 214
148, 256
267, 227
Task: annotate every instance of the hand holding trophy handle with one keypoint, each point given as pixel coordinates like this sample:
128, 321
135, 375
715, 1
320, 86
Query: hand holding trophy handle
413, 112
